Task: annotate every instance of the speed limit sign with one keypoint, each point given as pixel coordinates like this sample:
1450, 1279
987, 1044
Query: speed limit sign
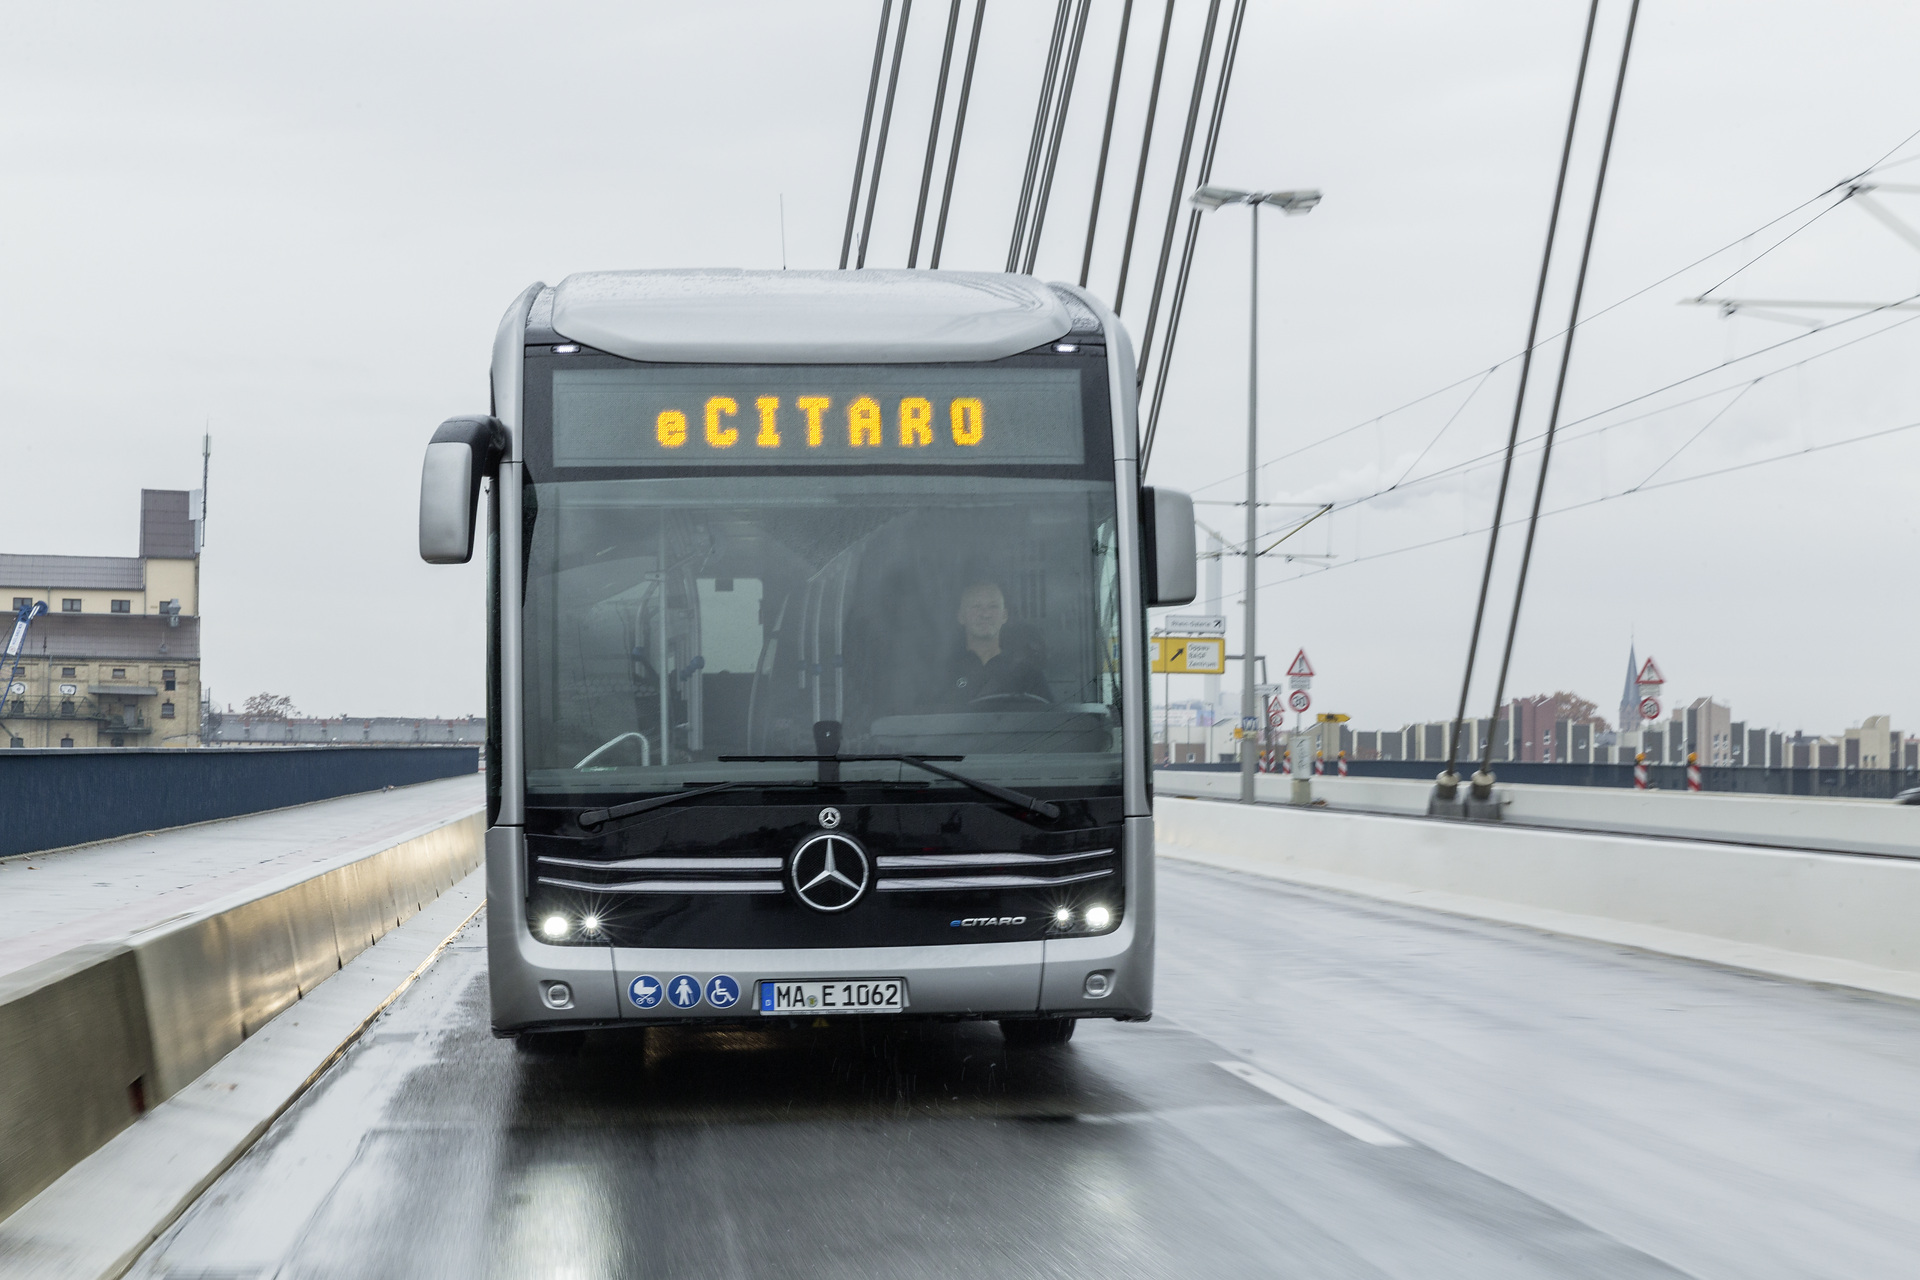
1649, 708
1299, 700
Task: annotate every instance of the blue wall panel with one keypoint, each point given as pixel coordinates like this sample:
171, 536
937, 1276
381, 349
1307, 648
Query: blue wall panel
50, 799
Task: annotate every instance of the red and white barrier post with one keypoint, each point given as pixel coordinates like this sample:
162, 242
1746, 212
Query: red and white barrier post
1639, 771
1319, 763
1343, 764
1693, 772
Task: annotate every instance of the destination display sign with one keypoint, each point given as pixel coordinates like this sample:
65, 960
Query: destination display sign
835, 415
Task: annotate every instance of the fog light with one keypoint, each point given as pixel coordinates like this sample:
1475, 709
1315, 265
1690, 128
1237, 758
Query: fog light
1098, 917
1098, 984
559, 995
1063, 916
554, 926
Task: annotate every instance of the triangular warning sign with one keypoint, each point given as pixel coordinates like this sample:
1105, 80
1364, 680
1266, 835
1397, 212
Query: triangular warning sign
1300, 667
1649, 674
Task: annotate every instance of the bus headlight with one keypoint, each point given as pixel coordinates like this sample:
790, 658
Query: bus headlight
589, 924
555, 926
1063, 917
1098, 917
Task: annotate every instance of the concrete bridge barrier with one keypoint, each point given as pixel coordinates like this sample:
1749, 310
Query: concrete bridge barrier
1839, 918
94, 1036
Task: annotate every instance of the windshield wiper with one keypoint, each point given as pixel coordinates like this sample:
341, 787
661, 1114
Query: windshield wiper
595, 817
1032, 804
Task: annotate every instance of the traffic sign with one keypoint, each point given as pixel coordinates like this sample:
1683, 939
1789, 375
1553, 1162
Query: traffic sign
1276, 716
1649, 708
1649, 681
1301, 667
1189, 655
1299, 700
1194, 624
1246, 724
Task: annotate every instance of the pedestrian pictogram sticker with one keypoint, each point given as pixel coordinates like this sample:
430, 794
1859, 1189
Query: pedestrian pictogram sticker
1301, 667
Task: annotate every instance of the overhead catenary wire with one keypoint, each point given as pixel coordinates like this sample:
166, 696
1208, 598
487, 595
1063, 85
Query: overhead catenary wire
1178, 189
886, 121
1445, 427
1062, 105
866, 128
1036, 144
1448, 779
1587, 320
933, 134
1560, 386
959, 129
1146, 147
1470, 463
1106, 141
1178, 305
1704, 428
1473, 463
1717, 472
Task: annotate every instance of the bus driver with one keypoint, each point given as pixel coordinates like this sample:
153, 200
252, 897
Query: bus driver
981, 668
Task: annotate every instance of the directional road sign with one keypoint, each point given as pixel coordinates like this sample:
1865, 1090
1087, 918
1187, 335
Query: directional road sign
1194, 624
1189, 655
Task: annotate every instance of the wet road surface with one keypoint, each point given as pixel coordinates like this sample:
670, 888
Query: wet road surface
1404, 1094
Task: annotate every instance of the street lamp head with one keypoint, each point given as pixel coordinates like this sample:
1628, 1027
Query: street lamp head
1214, 197
1293, 203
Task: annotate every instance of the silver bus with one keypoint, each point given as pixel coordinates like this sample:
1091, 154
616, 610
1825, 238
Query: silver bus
817, 651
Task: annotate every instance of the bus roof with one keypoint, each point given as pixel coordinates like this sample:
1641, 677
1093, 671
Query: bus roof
808, 317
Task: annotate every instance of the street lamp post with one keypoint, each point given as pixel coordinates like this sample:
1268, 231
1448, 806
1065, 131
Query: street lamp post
1292, 203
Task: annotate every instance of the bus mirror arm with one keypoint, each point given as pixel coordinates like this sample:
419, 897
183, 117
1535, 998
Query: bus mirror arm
1167, 550
463, 452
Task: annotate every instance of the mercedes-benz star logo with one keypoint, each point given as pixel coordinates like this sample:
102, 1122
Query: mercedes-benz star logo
829, 871
829, 817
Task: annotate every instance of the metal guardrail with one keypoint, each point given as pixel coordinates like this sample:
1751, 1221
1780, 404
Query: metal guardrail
1845, 784
61, 797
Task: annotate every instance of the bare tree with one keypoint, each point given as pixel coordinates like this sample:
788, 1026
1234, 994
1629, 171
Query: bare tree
269, 706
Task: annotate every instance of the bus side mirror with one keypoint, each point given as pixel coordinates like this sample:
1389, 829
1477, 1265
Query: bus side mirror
461, 452
1166, 522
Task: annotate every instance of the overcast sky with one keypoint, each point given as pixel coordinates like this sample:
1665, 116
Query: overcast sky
298, 229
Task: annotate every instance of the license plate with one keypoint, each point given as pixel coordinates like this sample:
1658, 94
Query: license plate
842, 995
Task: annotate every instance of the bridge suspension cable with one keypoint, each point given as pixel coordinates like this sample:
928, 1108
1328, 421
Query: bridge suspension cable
886, 120
1449, 780
933, 134
1106, 141
1483, 780
1227, 60
1035, 144
1179, 186
1140, 173
866, 128
959, 129
1059, 127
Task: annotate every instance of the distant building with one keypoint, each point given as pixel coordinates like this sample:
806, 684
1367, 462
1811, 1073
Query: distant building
115, 661
1708, 729
1874, 745
228, 730
1630, 694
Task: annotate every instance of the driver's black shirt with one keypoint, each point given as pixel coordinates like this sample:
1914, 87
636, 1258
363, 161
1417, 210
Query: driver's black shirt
968, 679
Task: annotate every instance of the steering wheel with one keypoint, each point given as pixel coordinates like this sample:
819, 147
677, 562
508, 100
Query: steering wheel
1012, 697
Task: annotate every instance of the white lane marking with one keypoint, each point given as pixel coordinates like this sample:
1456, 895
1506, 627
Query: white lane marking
1352, 1126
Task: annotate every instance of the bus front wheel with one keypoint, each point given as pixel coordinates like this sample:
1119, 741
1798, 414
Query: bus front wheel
1036, 1033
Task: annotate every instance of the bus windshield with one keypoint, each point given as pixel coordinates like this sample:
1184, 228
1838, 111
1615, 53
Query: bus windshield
674, 620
